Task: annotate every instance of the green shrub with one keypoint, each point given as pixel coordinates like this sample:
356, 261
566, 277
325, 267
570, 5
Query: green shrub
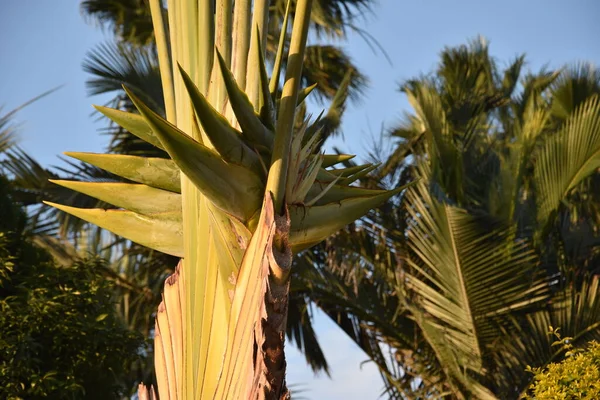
60, 337
576, 377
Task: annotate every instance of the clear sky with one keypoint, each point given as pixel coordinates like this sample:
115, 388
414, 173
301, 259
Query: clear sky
42, 44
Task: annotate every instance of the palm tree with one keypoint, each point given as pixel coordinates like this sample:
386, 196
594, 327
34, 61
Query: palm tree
6, 133
138, 272
233, 203
113, 65
324, 65
493, 246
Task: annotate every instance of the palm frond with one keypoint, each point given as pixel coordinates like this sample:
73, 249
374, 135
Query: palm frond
573, 87
567, 158
115, 64
301, 332
329, 18
464, 272
447, 167
331, 69
532, 97
31, 185
330, 124
574, 312
467, 70
130, 20
512, 74
356, 289
7, 133
328, 66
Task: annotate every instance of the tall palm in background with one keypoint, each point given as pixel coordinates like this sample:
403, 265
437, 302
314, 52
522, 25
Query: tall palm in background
457, 283
326, 65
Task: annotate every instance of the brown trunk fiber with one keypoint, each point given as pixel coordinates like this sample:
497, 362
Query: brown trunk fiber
269, 361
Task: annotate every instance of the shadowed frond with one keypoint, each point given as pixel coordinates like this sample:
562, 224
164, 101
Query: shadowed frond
114, 64
130, 20
300, 330
31, 183
329, 18
328, 68
574, 312
567, 158
7, 132
573, 87
466, 272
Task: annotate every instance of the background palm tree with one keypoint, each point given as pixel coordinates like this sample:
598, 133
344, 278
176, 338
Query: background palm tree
325, 65
458, 280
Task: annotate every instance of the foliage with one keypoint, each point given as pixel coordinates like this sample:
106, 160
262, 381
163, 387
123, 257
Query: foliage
130, 19
576, 377
460, 275
131, 23
6, 133
132, 60
59, 333
497, 240
243, 188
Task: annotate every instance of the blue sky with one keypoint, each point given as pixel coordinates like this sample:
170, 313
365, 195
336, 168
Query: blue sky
42, 45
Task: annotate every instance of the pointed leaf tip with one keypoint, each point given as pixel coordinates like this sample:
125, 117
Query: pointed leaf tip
133, 123
139, 198
226, 139
156, 172
330, 160
267, 107
305, 92
234, 189
162, 232
251, 125
311, 225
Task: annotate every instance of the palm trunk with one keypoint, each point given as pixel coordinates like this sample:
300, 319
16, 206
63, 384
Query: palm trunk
269, 357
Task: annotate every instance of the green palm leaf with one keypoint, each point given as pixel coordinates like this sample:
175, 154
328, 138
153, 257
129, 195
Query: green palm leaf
113, 65
129, 19
572, 87
567, 158
466, 272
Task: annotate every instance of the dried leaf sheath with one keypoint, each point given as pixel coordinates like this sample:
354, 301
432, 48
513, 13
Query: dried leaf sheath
168, 340
270, 364
243, 376
146, 394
